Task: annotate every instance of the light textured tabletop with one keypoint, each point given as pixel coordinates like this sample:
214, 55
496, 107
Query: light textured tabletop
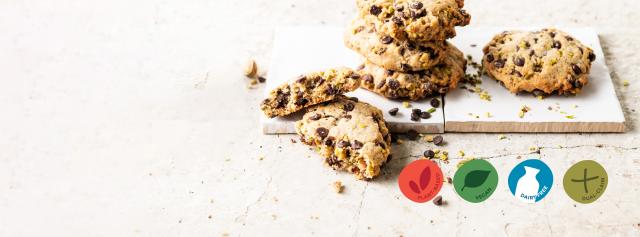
133, 118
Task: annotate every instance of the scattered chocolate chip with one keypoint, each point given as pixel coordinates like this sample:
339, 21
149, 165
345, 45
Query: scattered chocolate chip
412, 134
375, 10
552, 34
356, 144
329, 141
333, 161
437, 200
394, 84
576, 69
354, 99
386, 39
499, 63
349, 106
397, 20
490, 58
415, 117
592, 56
435, 103
322, 132
519, 61
261, 79
416, 111
557, 44
343, 144
354, 76
293, 140
437, 140
393, 111
449, 180
425, 115
330, 90
367, 78
429, 154
416, 5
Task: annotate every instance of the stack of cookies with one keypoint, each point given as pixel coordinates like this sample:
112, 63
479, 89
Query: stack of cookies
404, 44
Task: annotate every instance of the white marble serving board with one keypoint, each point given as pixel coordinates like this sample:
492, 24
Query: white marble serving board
297, 50
595, 109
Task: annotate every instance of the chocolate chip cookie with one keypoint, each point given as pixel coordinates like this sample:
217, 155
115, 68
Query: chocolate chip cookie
390, 53
308, 90
548, 61
416, 20
350, 135
415, 85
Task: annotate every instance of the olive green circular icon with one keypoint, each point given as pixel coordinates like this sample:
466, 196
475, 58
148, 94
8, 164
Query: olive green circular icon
475, 181
585, 181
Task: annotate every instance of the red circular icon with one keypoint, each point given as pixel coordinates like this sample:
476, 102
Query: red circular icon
420, 180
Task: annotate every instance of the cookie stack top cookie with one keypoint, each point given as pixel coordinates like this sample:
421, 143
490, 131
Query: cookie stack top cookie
407, 40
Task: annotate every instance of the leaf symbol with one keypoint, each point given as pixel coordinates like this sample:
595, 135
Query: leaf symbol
414, 187
424, 178
475, 178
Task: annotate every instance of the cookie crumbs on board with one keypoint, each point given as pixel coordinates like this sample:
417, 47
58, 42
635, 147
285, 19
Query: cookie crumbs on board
625, 83
406, 104
338, 187
523, 110
251, 69
502, 137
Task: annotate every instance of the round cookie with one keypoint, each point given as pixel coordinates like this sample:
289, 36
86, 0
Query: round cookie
415, 85
390, 53
351, 135
416, 20
548, 61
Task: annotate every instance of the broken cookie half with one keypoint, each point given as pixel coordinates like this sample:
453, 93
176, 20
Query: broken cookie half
349, 134
309, 89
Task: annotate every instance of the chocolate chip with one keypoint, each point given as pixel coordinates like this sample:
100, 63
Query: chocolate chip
343, 144
367, 78
412, 134
261, 79
333, 161
394, 138
499, 63
354, 76
329, 141
393, 111
354, 99
301, 79
322, 132
301, 101
519, 61
388, 72
349, 106
356, 144
557, 44
429, 154
435, 102
386, 39
537, 93
425, 115
405, 67
592, 56
416, 5
437, 140
393, 84
552, 34
315, 117
569, 38
415, 117
330, 90
416, 111
399, 8
346, 116
381, 84
490, 58
360, 67
437, 200
375, 10
282, 100
397, 20
576, 69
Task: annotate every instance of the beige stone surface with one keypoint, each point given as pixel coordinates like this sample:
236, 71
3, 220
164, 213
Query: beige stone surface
133, 118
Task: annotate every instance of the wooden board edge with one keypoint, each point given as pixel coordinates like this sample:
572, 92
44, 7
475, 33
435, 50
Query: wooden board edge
535, 127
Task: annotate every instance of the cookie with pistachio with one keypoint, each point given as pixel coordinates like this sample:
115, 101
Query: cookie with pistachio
349, 134
385, 51
309, 89
415, 85
548, 61
415, 20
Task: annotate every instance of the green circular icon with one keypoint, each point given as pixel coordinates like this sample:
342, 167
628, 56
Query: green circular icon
476, 180
585, 181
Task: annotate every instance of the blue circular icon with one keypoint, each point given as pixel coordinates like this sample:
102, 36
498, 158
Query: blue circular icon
530, 181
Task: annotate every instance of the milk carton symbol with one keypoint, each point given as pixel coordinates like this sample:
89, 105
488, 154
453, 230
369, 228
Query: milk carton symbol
527, 187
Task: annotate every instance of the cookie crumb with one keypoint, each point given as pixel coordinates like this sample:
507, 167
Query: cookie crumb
625, 83
502, 137
262, 79
449, 180
461, 153
406, 104
293, 140
438, 200
570, 116
523, 110
338, 187
488, 115
438, 140
428, 138
251, 68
